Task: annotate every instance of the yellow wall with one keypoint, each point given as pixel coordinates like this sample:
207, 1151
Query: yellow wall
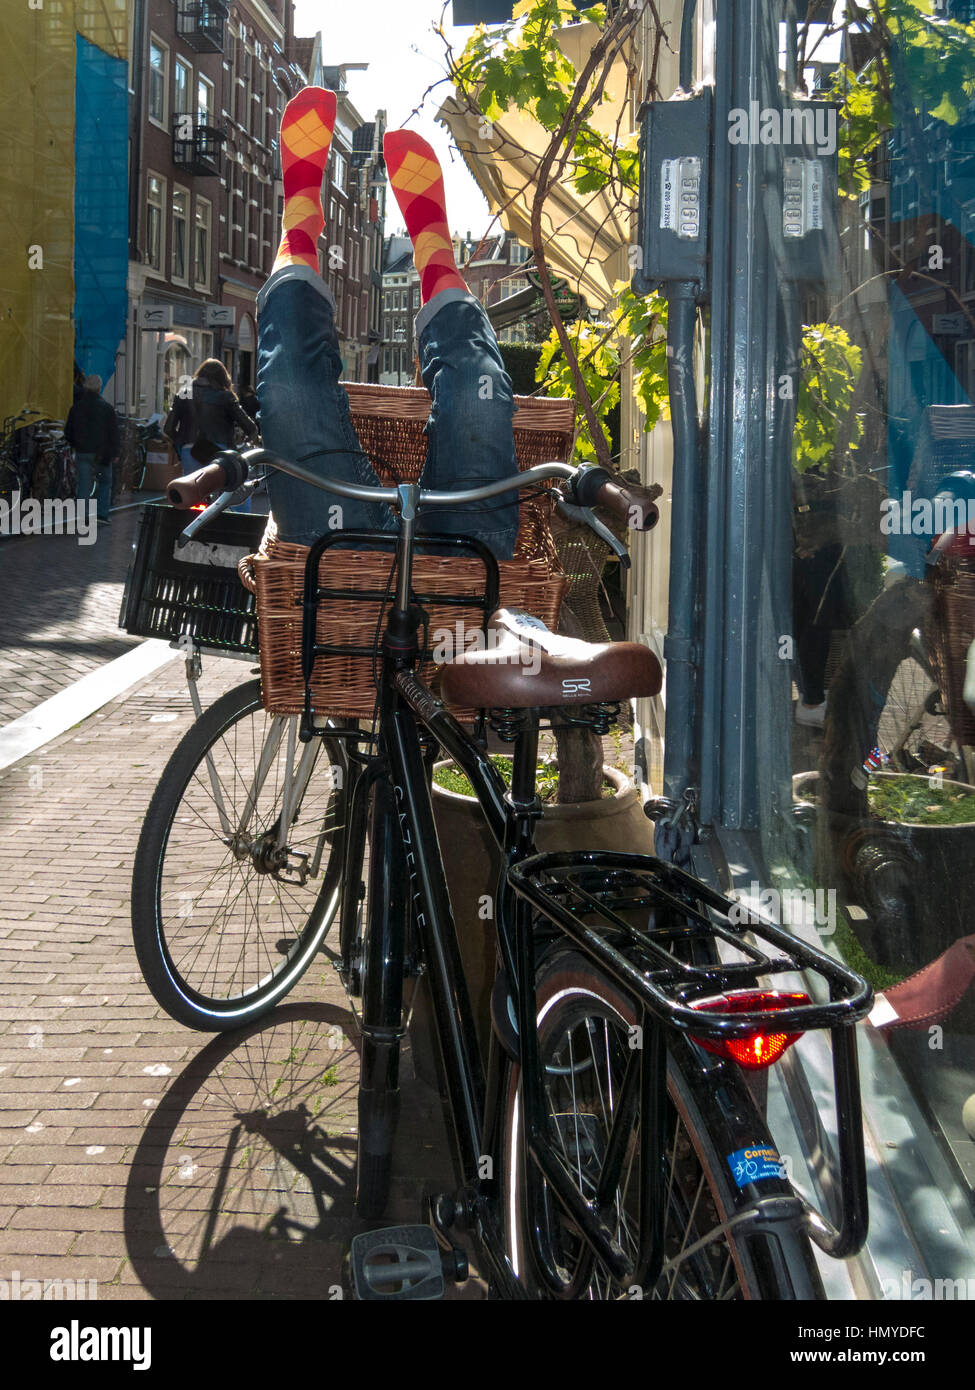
37, 65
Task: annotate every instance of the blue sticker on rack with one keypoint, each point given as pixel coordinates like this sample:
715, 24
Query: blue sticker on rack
752, 1165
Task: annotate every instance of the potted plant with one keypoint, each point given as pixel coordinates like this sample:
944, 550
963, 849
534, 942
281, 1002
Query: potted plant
907, 862
614, 821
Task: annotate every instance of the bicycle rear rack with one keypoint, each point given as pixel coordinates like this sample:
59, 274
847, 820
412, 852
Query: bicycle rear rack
586, 895
653, 928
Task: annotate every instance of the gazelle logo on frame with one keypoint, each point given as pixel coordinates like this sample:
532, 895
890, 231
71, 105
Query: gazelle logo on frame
807, 126
54, 516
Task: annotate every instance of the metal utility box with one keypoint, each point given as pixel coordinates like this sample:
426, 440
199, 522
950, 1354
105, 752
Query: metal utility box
675, 162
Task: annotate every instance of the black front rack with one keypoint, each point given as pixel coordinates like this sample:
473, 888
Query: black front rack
641, 919
313, 594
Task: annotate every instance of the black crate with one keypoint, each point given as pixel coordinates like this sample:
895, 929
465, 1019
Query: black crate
195, 591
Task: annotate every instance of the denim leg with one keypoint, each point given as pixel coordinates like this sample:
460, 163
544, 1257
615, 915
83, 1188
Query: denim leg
187, 462
469, 430
305, 411
85, 466
104, 492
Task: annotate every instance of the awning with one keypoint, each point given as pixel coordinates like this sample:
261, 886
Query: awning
586, 234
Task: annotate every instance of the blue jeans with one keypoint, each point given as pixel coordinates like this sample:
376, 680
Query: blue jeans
305, 414
95, 479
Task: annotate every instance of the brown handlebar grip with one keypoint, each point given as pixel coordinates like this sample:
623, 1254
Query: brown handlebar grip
196, 487
631, 503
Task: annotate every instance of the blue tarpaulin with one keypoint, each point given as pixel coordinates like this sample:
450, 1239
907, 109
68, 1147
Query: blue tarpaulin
101, 247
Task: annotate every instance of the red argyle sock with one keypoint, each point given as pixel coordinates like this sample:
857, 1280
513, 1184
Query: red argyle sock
414, 172
306, 135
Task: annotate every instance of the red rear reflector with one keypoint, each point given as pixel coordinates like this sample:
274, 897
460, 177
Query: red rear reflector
754, 1051
198, 507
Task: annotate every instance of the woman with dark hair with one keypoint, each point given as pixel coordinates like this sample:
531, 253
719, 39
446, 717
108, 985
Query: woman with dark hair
203, 423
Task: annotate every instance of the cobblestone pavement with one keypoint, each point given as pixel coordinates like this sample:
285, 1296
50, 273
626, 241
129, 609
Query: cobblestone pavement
59, 617
157, 1161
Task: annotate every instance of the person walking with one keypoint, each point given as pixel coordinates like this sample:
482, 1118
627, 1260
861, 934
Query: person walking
202, 423
179, 427
92, 431
248, 399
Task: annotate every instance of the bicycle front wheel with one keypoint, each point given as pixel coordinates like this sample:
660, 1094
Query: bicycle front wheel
583, 1025
238, 868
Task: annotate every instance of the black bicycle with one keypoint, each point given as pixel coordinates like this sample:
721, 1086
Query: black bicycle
612, 1147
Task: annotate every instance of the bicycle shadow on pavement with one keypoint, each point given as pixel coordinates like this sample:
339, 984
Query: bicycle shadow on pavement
243, 1184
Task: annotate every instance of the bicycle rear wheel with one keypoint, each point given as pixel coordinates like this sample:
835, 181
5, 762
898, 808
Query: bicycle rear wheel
228, 909
584, 1022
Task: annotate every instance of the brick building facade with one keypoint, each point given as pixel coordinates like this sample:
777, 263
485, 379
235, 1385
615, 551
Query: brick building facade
209, 81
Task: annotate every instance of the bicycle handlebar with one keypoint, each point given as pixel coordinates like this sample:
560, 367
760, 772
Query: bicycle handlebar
589, 486
225, 474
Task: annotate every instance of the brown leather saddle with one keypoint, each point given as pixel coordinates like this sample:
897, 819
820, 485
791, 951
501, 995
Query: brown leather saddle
524, 665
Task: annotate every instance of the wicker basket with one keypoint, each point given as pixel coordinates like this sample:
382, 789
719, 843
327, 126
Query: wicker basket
389, 422
948, 636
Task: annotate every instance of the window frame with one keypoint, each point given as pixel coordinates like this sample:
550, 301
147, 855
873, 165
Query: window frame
186, 108
179, 190
163, 73
152, 268
204, 82
202, 284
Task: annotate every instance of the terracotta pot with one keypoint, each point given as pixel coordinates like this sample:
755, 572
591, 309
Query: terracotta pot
472, 870
914, 881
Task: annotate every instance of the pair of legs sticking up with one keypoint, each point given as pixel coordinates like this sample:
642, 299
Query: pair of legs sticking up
304, 409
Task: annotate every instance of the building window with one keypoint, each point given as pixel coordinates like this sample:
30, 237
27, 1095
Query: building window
156, 197
513, 285
204, 101
245, 217
201, 250
416, 296
182, 87
518, 254
257, 105
158, 79
181, 227
338, 170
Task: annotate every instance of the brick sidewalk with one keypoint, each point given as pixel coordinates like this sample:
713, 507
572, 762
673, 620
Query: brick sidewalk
133, 1151
60, 610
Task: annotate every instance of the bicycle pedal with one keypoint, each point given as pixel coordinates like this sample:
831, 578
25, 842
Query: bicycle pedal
398, 1263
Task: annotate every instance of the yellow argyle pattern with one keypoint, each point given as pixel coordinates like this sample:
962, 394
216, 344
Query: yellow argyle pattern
414, 172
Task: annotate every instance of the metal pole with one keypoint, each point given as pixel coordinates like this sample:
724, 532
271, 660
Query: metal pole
746, 518
680, 752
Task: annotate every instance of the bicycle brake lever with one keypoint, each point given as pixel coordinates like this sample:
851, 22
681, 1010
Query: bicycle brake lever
198, 522
587, 517
226, 499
